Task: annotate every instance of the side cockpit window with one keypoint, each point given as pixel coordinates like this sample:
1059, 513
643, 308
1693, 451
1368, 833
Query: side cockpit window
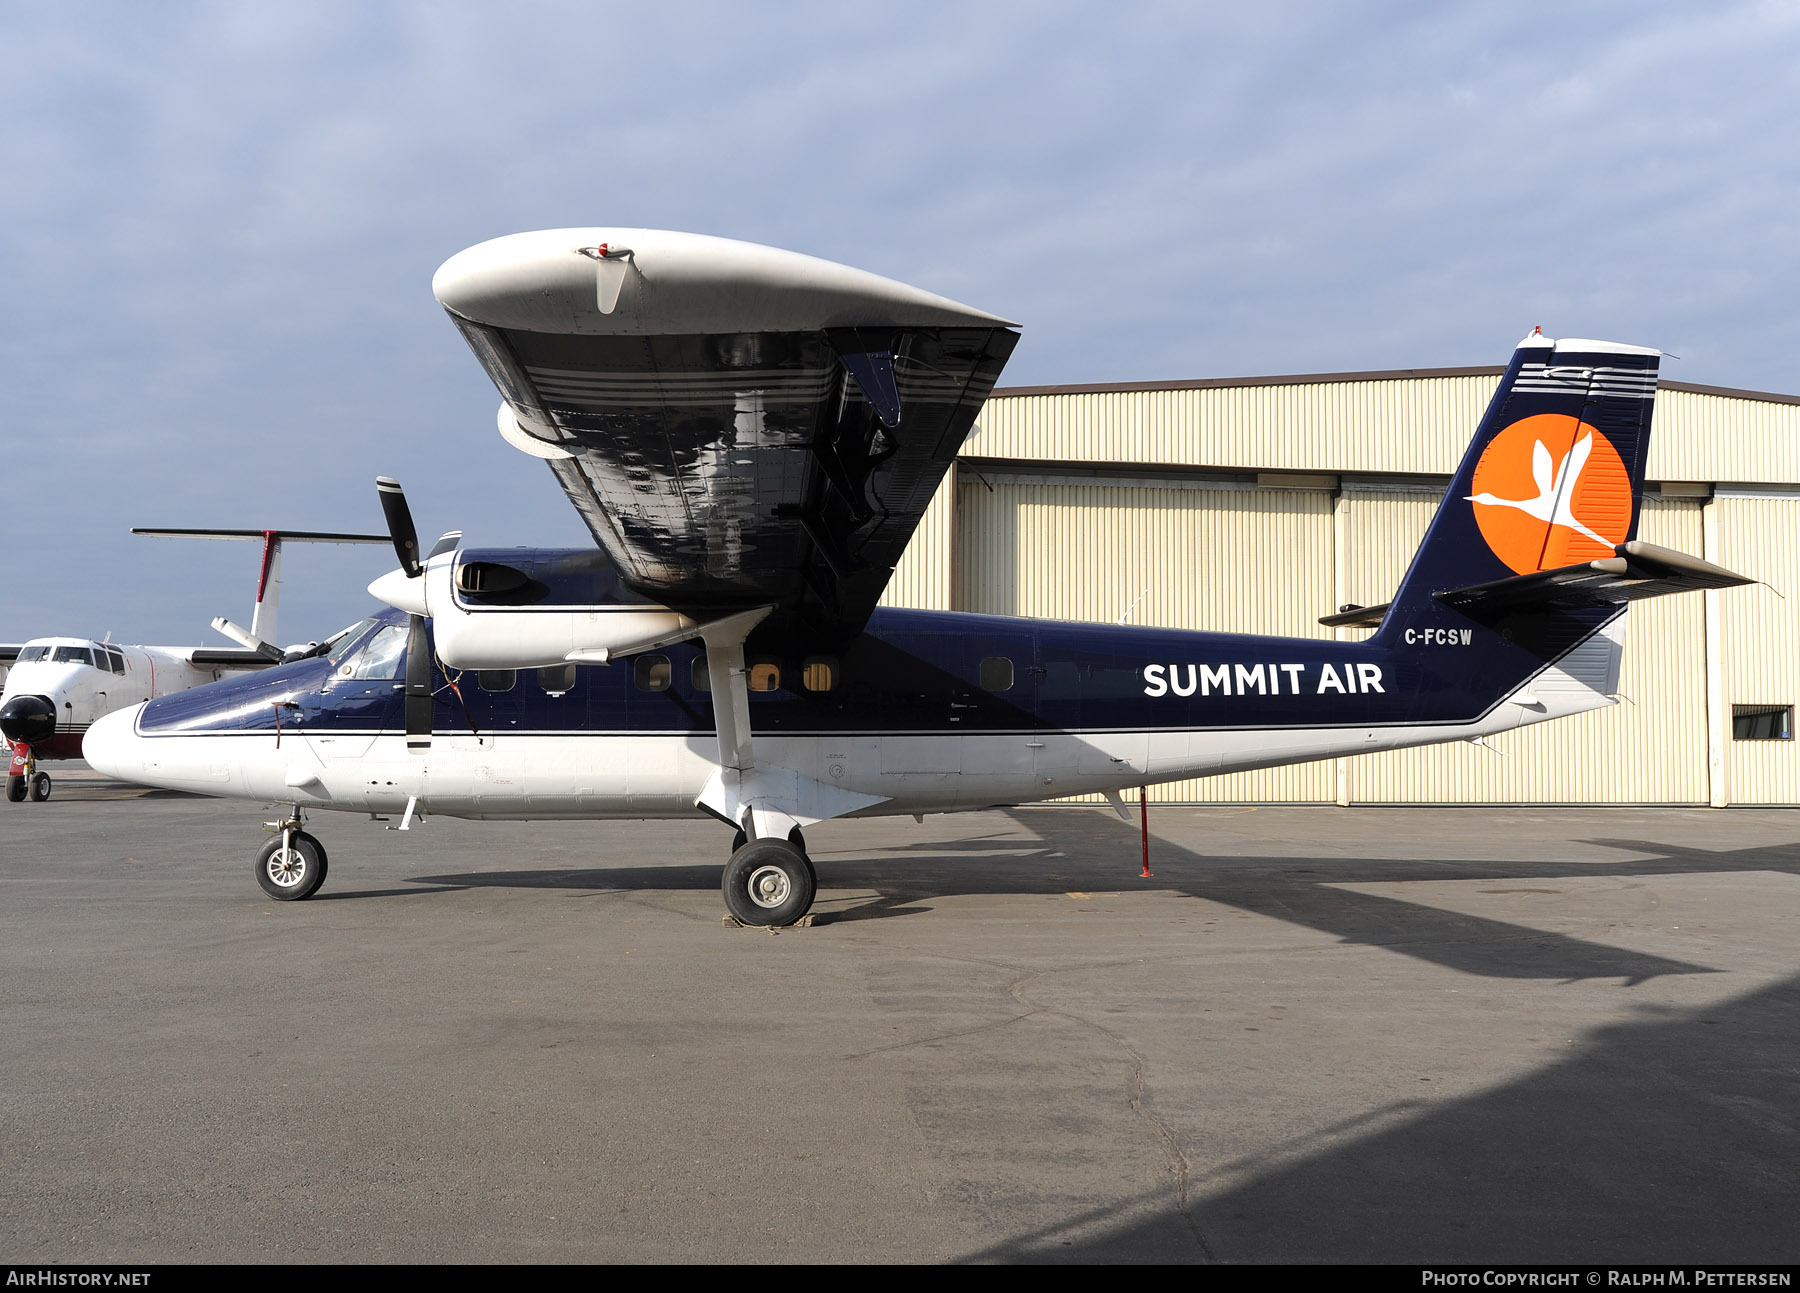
380, 659
116, 660
343, 642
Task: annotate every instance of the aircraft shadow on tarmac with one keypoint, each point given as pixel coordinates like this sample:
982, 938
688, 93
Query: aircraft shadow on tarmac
1669, 1138
1086, 852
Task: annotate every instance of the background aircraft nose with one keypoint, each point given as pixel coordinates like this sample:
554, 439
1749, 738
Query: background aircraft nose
28, 718
111, 745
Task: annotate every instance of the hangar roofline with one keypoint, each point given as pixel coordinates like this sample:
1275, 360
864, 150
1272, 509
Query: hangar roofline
1316, 379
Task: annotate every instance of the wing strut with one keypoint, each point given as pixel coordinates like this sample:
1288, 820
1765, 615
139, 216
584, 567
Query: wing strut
762, 799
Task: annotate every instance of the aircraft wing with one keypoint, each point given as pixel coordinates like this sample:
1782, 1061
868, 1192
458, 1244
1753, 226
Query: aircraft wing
9, 651
736, 425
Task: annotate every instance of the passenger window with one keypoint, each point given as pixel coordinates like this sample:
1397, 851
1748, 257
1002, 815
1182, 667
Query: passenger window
819, 673
380, 659
557, 678
497, 679
653, 673
996, 673
699, 674
765, 675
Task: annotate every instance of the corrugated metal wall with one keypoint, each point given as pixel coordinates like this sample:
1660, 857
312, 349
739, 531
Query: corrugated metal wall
1412, 425
1393, 426
924, 577
1650, 748
1758, 635
1180, 553
1724, 438
1165, 547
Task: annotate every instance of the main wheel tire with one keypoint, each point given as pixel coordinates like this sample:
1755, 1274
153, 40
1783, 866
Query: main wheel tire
739, 840
799, 841
15, 789
768, 882
40, 787
293, 873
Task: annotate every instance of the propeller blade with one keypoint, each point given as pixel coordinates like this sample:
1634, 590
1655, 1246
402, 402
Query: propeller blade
418, 685
400, 525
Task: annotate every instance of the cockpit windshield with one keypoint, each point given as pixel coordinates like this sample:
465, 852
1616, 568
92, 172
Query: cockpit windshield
341, 643
380, 659
72, 655
30, 653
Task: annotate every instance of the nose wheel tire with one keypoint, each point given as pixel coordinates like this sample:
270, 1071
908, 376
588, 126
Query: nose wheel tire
15, 790
40, 787
768, 882
292, 871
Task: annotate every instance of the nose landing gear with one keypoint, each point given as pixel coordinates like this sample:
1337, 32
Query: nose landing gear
293, 865
23, 778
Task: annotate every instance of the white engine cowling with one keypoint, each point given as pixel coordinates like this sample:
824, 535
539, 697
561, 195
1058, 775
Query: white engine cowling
471, 635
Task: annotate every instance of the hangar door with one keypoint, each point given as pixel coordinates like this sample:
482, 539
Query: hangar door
1648, 749
1180, 552
1758, 534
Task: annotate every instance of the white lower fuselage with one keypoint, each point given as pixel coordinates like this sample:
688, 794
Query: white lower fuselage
582, 774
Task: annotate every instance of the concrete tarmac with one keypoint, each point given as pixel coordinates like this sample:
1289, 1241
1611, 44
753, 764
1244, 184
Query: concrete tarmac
1395, 1035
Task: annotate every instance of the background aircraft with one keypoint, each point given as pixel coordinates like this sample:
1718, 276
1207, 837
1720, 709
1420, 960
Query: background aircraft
752, 436
58, 686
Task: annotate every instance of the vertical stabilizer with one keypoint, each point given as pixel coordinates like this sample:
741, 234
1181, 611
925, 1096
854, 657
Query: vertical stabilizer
1554, 475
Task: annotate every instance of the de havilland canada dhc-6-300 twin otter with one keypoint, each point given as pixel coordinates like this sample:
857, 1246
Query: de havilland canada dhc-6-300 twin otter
59, 686
752, 436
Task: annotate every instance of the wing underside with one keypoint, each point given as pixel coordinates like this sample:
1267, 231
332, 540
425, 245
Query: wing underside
786, 461
730, 469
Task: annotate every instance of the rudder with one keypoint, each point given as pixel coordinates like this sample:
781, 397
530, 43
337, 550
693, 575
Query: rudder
1553, 476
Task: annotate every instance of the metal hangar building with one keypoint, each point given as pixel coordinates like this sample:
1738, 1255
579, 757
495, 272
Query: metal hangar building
1256, 505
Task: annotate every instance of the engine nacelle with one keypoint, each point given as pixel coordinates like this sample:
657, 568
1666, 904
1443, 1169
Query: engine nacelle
528, 608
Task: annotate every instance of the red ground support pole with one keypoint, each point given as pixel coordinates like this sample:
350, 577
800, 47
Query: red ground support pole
1144, 818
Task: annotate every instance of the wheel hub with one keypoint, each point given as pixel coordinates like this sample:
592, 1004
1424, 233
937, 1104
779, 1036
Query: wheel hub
286, 867
770, 886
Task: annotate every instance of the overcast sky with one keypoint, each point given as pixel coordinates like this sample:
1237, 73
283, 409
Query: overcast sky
218, 224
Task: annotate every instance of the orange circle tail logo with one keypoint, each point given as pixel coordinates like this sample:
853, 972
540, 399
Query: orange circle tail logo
1550, 491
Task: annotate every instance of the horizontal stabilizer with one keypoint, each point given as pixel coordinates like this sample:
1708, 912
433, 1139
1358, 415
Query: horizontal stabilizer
227, 658
1635, 571
1355, 617
286, 536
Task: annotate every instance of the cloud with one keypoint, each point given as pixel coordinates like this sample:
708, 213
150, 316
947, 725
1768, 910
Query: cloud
220, 222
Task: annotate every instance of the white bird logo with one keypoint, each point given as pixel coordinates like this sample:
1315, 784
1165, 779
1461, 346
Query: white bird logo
1554, 490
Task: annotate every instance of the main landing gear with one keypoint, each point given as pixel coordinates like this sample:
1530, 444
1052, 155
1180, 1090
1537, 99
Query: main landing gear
769, 882
291, 866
